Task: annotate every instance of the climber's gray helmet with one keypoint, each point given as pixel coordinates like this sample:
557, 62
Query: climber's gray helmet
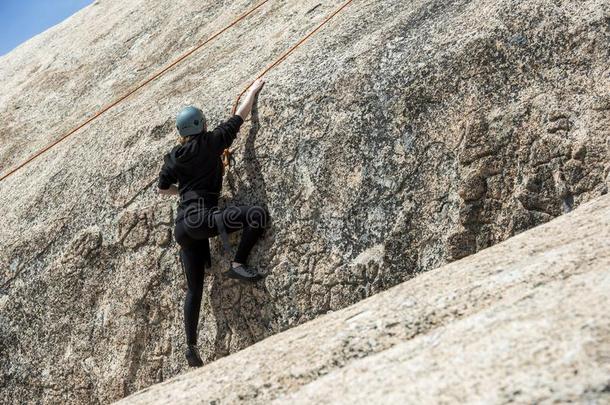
190, 121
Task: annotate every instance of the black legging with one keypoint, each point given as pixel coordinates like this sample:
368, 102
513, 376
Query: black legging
192, 233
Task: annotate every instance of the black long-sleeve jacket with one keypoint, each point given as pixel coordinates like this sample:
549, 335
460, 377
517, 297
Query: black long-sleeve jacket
197, 165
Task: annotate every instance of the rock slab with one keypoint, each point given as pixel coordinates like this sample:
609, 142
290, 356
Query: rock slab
404, 136
525, 321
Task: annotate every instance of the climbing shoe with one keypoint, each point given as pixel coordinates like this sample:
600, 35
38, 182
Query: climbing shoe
244, 273
193, 357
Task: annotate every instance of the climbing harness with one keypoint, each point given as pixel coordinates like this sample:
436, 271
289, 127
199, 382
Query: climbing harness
227, 154
134, 90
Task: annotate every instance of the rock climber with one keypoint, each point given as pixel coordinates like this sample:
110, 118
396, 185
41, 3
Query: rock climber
194, 171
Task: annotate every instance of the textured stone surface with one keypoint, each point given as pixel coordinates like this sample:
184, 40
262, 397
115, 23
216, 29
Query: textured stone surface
525, 321
404, 136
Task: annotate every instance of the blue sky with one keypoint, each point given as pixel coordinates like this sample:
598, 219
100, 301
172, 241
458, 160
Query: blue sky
20, 20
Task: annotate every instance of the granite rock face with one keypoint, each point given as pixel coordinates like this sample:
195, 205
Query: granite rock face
525, 322
405, 135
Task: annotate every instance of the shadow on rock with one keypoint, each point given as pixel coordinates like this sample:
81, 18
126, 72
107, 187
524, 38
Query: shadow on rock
244, 313
251, 188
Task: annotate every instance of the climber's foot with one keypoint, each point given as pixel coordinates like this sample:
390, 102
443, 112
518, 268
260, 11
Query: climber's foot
242, 272
193, 357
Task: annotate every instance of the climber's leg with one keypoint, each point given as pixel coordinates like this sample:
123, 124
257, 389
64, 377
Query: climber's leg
256, 220
194, 271
193, 263
253, 220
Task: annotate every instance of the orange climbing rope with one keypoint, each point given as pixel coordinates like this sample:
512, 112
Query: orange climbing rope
131, 92
227, 153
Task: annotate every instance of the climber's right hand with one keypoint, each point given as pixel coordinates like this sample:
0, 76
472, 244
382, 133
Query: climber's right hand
246, 105
257, 86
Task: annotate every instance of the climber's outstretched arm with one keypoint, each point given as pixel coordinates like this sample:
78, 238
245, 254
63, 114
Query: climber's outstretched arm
246, 105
